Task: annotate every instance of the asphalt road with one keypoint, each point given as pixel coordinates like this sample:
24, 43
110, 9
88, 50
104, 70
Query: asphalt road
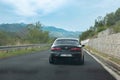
36, 67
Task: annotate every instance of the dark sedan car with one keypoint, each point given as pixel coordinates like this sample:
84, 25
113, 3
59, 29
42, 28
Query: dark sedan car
66, 50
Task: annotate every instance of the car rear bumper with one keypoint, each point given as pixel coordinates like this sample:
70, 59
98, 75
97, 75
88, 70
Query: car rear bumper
67, 58
74, 58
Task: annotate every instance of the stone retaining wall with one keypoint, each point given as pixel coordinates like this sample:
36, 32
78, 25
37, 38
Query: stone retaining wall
109, 44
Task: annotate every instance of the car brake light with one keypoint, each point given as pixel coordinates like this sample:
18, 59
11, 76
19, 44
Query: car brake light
75, 49
55, 49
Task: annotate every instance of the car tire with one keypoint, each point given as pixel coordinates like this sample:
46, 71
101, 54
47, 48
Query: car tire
82, 61
51, 61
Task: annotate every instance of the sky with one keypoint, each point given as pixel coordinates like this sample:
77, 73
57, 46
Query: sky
72, 15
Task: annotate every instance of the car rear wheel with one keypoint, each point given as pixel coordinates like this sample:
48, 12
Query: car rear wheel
50, 61
82, 61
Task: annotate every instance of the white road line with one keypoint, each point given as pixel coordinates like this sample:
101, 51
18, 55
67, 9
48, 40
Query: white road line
105, 67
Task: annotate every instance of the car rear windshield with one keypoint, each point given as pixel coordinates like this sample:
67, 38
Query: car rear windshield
67, 41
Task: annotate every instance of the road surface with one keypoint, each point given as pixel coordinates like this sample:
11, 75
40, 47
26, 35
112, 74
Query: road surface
36, 67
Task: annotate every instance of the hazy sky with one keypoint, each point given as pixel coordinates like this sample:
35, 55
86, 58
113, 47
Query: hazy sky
73, 15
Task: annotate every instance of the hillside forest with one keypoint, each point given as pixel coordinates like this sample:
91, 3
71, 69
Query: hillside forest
111, 20
30, 34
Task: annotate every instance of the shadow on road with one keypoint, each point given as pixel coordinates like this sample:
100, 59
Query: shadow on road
68, 63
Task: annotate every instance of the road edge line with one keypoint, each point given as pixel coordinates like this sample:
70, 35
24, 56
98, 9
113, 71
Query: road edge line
115, 75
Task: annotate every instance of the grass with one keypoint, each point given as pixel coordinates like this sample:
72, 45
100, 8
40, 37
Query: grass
5, 54
103, 55
116, 27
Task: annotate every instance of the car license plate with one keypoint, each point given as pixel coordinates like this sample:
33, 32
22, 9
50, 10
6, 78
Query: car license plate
66, 55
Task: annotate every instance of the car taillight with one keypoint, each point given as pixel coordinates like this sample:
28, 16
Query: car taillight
75, 49
55, 49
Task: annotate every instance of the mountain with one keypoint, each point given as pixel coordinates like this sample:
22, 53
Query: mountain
58, 32
16, 27
54, 32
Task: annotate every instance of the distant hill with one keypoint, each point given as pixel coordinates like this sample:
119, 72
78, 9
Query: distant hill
58, 32
54, 32
16, 27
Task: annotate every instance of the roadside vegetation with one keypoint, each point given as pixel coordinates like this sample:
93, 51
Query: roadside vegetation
111, 20
6, 54
31, 34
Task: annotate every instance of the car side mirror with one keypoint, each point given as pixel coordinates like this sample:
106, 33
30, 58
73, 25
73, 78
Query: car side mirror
83, 45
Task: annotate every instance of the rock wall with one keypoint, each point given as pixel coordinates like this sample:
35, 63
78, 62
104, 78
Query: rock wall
109, 44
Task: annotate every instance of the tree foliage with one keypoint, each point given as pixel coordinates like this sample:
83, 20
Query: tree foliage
31, 34
36, 34
111, 20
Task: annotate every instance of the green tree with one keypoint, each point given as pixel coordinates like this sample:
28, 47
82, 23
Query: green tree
110, 19
117, 15
36, 34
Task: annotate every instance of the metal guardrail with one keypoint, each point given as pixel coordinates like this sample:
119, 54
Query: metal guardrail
17, 47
